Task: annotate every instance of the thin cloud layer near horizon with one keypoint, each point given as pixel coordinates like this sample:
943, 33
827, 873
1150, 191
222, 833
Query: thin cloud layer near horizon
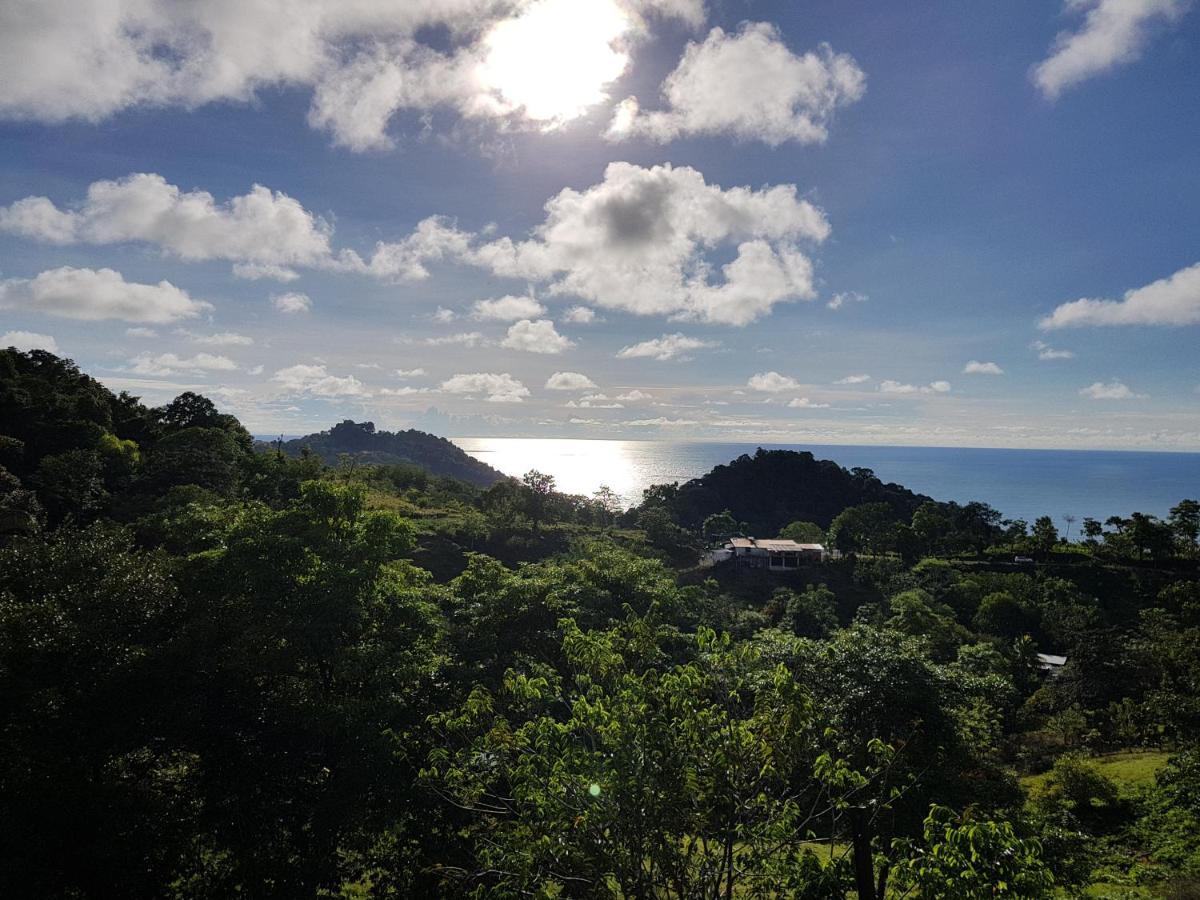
693, 220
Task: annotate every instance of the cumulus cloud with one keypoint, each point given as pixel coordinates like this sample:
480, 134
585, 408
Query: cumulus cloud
1113, 32
28, 340
292, 302
1045, 351
975, 367
410, 373
316, 381
1174, 300
364, 61
772, 382
579, 315
749, 85
507, 309
495, 387
536, 337
569, 381
217, 339
594, 401
661, 421
1113, 390
263, 226
141, 332
805, 403
669, 346
95, 294
854, 379
634, 396
896, 387
171, 364
640, 241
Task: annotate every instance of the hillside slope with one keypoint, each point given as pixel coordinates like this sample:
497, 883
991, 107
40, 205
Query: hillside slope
363, 443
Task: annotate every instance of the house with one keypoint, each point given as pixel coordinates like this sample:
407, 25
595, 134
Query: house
1051, 664
774, 555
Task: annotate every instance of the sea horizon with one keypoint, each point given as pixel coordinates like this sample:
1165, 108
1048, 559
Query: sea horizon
1022, 483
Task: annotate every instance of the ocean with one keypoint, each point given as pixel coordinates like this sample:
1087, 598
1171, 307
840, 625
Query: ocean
1022, 484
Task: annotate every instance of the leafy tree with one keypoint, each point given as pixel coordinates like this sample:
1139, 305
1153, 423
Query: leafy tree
1044, 534
538, 487
1003, 615
964, 859
812, 613
720, 525
804, 533
863, 528
1185, 524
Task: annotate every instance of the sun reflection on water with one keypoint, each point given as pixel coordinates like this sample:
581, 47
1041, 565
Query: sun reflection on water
579, 467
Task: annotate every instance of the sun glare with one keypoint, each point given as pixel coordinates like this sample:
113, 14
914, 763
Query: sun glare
555, 60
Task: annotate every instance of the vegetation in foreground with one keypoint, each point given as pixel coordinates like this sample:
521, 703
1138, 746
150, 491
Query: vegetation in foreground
235, 673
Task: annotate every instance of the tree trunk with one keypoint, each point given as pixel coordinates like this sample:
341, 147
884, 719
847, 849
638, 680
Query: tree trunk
864, 881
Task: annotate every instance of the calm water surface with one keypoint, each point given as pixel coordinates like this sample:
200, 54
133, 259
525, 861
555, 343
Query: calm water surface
1020, 483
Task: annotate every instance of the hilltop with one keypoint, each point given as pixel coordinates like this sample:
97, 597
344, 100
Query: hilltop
366, 445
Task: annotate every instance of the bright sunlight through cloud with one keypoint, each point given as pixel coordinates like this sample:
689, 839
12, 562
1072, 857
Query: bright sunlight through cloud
555, 60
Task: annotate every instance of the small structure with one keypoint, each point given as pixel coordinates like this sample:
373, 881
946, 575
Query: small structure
1050, 664
774, 555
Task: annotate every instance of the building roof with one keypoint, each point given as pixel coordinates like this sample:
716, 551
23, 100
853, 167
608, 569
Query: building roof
774, 545
1049, 659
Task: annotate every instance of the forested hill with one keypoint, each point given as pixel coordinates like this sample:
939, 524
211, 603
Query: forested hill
364, 444
774, 487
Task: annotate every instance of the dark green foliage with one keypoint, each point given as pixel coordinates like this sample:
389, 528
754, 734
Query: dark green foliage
366, 445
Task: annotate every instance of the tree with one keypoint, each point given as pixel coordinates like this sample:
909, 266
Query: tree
804, 533
932, 526
867, 528
1044, 534
1002, 615
608, 503
964, 859
1092, 531
811, 614
1185, 524
537, 487
720, 525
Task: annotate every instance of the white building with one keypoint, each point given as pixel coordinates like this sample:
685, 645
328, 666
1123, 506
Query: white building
775, 555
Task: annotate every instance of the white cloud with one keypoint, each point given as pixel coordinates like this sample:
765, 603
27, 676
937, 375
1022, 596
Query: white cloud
435, 238
974, 367
257, 370
536, 63
170, 364
772, 382
748, 85
594, 401
95, 294
28, 340
507, 309
1113, 32
141, 332
634, 396
639, 241
316, 381
569, 381
218, 339
579, 315
292, 302
1113, 390
497, 388
256, 271
669, 346
444, 316
895, 387
837, 301
805, 403
1045, 351
263, 226
535, 337
661, 421
410, 373
854, 379
464, 339
1174, 300
406, 391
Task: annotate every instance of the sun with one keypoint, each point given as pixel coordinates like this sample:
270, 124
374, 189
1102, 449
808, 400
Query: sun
554, 60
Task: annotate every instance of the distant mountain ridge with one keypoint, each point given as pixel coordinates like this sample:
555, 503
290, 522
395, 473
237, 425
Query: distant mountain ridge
363, 443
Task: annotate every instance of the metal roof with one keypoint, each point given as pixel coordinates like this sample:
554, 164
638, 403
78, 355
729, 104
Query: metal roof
775, 545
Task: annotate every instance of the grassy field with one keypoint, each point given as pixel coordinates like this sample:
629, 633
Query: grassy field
1130, 769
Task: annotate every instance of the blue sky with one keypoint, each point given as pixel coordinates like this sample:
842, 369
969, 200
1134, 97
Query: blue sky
963, 224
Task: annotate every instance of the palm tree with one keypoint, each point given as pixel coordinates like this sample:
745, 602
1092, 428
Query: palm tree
1070, 520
